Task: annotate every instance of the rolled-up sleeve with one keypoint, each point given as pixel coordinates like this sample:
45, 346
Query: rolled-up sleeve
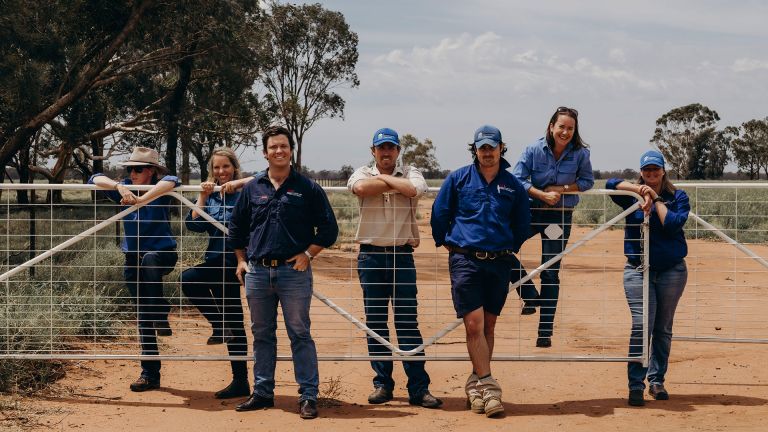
677, 213
111, 195
417, 180
443, 210
359, 174
325, 220
239, 224
585, 179
522, 168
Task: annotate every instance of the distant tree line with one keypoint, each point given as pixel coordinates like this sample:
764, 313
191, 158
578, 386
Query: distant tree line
695, 148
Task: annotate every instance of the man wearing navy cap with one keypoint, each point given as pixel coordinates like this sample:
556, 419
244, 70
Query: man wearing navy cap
388, 194
481, 215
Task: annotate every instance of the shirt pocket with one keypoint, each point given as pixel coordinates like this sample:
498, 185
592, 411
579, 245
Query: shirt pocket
471, 201
566, 172
292, 208
504, 201
260, 209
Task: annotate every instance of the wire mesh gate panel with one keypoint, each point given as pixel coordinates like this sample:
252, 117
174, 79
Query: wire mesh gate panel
74, 304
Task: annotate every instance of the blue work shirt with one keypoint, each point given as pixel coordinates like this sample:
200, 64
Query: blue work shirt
470, 213
537, 167
667, 242
220, 209
278, 224
149, 228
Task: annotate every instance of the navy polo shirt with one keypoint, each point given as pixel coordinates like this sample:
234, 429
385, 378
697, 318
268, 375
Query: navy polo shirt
278, 224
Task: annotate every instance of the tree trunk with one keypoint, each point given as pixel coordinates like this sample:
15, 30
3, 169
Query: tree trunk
185, 171
175, 108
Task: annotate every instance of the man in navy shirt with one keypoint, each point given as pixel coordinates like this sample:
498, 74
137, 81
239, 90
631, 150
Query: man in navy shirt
482, 216
281, 221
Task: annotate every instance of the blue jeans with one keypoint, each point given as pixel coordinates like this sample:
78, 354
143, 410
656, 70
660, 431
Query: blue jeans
385, 276
550, 278
214, 289
664, 291
144, 278
264, 288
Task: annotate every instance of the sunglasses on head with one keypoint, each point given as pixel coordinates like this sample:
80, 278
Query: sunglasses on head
136, 169
566, 110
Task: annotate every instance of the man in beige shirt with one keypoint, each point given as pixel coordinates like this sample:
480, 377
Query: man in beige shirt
388, 194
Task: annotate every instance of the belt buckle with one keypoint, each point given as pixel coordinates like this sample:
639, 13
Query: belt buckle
273, 263
482, 255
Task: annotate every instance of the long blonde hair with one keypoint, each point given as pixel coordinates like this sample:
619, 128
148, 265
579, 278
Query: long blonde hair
229, 154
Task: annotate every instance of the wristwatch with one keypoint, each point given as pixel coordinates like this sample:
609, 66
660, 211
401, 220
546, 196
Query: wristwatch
309, 255
658, 199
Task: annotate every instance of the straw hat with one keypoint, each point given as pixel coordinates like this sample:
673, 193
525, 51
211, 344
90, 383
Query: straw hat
143, 156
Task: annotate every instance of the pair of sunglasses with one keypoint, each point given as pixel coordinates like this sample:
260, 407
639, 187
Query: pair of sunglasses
136, 169
566, 110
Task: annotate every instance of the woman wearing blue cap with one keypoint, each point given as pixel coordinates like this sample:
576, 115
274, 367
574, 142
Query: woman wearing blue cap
668, 208
549, 169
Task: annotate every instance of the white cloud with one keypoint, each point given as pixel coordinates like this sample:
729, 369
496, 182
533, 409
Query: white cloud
489, 60
749, 65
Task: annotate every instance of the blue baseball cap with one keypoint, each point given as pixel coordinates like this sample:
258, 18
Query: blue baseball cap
487, 134
651, 157
385, 135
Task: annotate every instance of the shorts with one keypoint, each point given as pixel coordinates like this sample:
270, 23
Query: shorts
478, 283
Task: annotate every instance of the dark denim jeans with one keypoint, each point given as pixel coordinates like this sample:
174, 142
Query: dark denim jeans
264, 288
664, 291
385, 277
214, 289
144, 278
550, 278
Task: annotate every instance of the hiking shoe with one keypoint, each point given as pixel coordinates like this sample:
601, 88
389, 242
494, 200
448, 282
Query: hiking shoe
491, 392
658, 392
474, 398
426, 400
144, 384
543, 342
216, 338
379, 396
528, 309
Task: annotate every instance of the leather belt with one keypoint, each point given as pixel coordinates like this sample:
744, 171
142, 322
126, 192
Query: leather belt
268, 262
482, 255
372, 248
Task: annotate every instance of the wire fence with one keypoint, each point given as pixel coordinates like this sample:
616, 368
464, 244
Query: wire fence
64, 292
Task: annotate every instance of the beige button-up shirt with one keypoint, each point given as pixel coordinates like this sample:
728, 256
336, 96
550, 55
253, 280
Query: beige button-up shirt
389, 219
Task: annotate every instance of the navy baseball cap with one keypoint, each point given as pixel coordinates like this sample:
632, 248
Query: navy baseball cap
487, 134
651, 157
385, 135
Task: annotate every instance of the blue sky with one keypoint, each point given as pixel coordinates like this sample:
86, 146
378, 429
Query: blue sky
440, 69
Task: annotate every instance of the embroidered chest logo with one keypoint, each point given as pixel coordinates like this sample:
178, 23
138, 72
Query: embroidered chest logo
505, 188
294, 193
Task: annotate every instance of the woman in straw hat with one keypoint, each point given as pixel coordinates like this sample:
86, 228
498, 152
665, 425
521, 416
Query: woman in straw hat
149, 248
212, 286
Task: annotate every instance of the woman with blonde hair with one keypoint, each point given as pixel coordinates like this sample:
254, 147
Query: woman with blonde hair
212, 286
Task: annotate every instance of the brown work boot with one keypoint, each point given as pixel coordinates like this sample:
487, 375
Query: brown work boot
474, 398
491, 392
